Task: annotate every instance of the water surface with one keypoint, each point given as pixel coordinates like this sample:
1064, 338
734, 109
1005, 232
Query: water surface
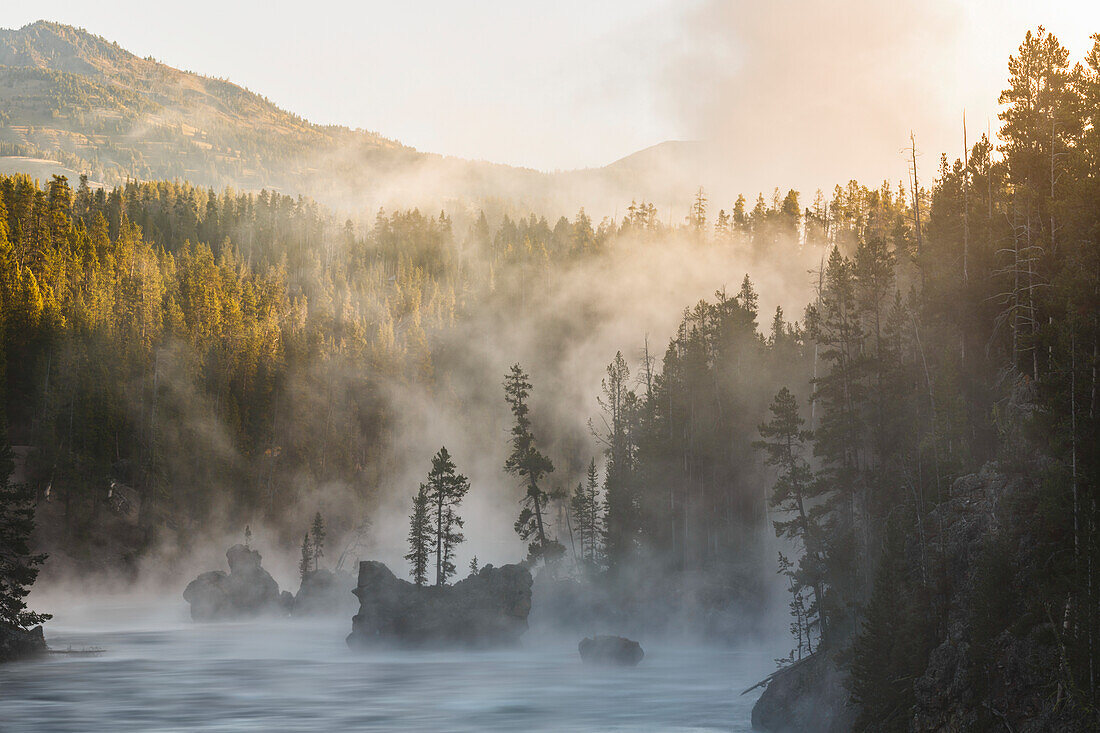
160, 672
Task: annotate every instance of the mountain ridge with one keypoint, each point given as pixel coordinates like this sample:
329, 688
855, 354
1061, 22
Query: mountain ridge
69, 95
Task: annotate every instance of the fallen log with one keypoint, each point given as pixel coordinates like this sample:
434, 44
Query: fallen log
781, 670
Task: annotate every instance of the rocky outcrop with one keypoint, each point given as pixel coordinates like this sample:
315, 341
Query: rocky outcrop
1008, 681
807, 697
325, 593
487, 609
247, 590
611, 651
18, 643
976, 551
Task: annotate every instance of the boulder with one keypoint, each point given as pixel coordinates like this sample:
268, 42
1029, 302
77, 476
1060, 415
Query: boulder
16, 643
325, 592
611, 650
247, 590
486, 609
808, 696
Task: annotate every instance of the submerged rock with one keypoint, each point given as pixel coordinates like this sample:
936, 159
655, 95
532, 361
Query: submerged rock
611, 650
16, 643
247, 590
487, 609
325, 592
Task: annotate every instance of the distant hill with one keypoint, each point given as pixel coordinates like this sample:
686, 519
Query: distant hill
71, 95
668, 171
78, 102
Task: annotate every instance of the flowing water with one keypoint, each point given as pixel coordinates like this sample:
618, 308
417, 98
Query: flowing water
160, 672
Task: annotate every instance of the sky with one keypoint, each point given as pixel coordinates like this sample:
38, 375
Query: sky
788, 93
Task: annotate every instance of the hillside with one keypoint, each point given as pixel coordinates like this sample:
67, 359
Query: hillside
72, 97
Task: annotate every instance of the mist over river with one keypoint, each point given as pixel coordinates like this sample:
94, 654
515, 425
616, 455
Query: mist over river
162, 672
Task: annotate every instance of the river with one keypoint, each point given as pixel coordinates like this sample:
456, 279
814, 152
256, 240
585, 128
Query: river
161, 672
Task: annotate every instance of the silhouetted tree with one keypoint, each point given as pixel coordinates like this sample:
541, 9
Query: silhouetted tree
446, 488
530, 466
420, 537
317, 539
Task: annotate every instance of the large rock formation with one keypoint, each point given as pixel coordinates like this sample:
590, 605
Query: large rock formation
325, 592
18, 643
248, 589
487, 609
1012, 679
611, 650
807, 697
1008, 680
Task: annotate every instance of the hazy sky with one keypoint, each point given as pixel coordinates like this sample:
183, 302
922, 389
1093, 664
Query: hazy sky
797, 91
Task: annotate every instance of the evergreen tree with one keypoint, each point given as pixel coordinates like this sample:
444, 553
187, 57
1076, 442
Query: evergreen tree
784, 443
451, 538
446, 489
420, 537
317, 539
800, 623
305, 563
697, 219
18, 565
840, 441
585, 507
894, 642
526, 463
619, 405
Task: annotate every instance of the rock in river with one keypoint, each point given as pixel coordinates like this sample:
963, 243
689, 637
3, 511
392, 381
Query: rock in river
16, 643
808, 696
487, 609
611, 650
248, 589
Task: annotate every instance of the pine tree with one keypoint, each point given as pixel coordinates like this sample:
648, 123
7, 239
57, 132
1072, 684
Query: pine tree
577, 511
585, 506
530, 466
420, 537
892, 647
451, 538
800, 628
446, 489
317, 539
18, 565
619, 404
697, 219
305, 564
840, 438
593, 514
784, 442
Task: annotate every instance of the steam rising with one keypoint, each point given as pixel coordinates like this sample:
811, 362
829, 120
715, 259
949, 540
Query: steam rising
804, 95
